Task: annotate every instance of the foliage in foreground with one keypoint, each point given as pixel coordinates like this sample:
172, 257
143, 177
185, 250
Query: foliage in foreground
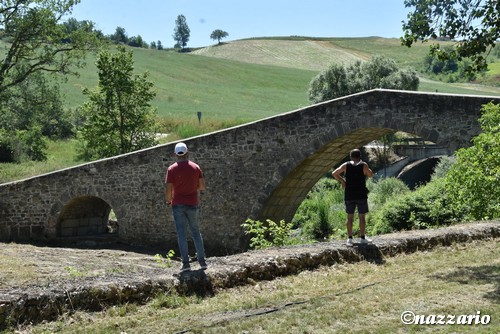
321, 215
268, 234
454, 20
473, 183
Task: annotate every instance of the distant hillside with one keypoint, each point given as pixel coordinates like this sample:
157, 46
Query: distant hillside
253, 78
314, 55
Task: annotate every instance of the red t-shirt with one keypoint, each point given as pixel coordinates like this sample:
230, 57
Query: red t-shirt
184, 175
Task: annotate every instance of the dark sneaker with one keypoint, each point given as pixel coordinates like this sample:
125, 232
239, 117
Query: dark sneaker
203, 265
185, 267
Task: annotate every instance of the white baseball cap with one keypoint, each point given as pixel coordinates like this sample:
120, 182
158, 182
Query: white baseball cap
181, 149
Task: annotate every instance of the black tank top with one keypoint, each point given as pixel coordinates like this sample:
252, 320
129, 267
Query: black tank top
355, 182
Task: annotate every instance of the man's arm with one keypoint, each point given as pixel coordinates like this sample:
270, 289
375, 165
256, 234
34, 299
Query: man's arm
201, 184
169, 192
337, 174
367, 171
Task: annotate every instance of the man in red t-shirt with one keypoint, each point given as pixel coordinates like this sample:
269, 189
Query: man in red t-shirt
184, 179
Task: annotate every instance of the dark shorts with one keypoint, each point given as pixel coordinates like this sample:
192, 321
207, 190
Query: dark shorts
361, 204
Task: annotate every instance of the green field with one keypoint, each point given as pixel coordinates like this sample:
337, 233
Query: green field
220, 89
255, 78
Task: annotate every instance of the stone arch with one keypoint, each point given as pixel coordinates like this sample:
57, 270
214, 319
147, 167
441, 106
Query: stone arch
85, 216
294, 187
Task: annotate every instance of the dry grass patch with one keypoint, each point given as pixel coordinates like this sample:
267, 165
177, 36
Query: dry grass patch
315, 55
359, 298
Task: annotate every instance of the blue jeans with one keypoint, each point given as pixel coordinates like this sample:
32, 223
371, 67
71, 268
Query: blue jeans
184, 216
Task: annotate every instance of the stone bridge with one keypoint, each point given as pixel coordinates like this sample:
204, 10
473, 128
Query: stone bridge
259, 170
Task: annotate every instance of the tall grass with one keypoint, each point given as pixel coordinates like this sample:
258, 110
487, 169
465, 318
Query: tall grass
322, 215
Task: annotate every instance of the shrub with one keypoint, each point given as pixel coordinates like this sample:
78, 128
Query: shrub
34, 143
443, 166
269, 234
385, 189
322, 214
6, 149
427, 206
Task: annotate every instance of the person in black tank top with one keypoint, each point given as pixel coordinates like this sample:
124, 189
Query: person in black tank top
352, 175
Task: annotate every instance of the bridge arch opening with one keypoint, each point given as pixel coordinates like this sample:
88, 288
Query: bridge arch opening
86, 216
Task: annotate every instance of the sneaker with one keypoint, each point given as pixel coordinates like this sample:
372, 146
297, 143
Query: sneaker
185, 267
203, 265
349, 242
365, 241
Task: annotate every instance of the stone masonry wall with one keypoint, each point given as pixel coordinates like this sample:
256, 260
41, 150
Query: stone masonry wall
263, 169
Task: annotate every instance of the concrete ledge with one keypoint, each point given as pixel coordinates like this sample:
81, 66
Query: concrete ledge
35, 304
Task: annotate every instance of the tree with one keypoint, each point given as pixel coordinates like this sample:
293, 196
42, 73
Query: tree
473, 182
137, 42
37, 42
181, 31
159, 46
218, 35
36, 102
473, 22
120, 36
120, 118
450, 70
378, 72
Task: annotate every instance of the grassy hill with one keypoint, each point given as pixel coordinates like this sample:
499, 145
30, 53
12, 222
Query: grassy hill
221, 89
255, 78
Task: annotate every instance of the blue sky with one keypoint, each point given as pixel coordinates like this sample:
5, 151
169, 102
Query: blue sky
155, 19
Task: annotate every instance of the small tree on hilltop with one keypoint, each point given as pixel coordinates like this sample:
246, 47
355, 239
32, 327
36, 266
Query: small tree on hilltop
119, 117
181, 31
218, 35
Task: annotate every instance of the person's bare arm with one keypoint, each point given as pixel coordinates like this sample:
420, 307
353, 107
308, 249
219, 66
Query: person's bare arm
337, 174
367, 171
201, 184
169, 192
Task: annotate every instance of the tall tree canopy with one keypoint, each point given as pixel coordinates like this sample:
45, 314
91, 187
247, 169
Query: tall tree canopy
473, 23
38, 42
378, 72
119, 116
181, 31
